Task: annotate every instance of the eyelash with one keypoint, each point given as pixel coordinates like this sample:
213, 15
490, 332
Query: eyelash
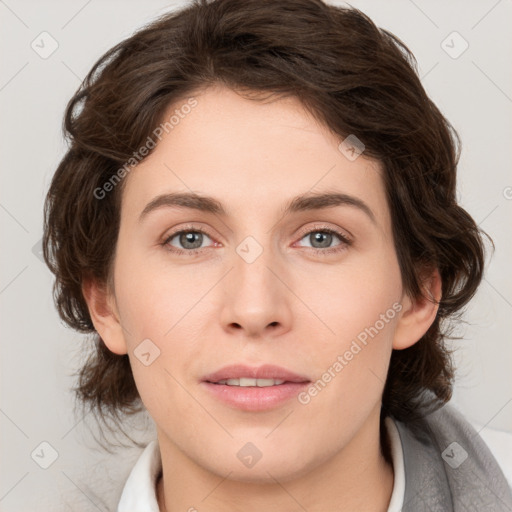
345, 241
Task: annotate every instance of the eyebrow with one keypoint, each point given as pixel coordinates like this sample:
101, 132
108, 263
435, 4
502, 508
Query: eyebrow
305, 202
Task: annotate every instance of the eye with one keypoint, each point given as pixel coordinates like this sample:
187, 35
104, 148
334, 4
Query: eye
321, 240
192, 241
189, 241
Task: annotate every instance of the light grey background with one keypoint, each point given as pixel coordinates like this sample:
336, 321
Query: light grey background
39, 354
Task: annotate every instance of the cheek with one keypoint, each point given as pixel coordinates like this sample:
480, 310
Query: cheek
152, 296
359, 307
154, 305
351, 298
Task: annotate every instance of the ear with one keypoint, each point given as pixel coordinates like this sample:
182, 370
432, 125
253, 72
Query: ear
104, 315
418, 314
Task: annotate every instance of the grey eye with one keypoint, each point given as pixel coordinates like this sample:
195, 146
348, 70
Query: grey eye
320, 239
188, 240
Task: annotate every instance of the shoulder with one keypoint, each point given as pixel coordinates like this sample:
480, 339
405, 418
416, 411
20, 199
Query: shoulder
449, 466
500, 445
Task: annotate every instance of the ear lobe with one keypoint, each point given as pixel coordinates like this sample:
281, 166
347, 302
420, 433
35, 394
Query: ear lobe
104, 315
418, 314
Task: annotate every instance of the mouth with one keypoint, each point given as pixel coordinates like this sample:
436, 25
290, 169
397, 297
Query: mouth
254, 389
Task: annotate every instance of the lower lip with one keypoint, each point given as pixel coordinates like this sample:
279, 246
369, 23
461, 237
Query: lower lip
255, 398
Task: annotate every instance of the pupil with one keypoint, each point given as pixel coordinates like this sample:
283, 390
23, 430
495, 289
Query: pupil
323, 238
188, 238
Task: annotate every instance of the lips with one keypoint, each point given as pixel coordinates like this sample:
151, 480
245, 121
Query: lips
252, 389
239, 371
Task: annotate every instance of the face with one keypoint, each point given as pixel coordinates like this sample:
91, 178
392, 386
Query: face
301, 291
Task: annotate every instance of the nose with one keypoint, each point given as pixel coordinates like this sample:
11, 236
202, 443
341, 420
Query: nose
256, 301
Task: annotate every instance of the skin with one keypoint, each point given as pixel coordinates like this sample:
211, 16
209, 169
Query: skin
292, 307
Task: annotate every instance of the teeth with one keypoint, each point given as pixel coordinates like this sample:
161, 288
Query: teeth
248, 382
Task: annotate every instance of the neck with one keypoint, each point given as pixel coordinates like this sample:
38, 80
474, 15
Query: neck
357, 478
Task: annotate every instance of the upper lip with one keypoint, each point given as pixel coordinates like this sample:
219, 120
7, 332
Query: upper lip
267, 371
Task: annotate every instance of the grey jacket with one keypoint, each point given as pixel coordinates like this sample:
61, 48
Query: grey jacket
448, 467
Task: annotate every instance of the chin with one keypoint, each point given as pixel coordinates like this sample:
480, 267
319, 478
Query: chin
264, 471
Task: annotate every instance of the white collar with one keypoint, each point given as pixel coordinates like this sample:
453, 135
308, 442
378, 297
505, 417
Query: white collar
397, 456
139, 492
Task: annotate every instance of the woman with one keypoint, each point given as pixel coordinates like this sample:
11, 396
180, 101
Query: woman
257, 219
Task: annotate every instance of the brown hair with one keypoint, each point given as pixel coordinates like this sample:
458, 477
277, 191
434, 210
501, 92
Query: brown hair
352, 76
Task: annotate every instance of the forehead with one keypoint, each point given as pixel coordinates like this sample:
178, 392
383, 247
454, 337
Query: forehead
251, 155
